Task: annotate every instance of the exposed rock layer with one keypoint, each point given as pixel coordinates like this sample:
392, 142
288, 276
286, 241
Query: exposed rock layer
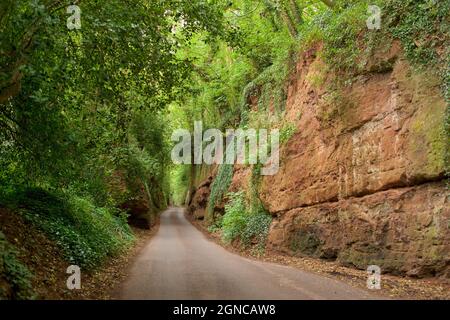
199, 202
402, 230
356, 182
362, 180
384, 131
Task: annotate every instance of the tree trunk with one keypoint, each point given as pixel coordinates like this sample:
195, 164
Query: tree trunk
271, 11
329, 3
290, 24
296, 12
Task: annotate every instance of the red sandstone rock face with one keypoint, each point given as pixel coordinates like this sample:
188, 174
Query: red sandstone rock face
199, 202
357, 182
139, 213
241, 178
403, 230
385, 133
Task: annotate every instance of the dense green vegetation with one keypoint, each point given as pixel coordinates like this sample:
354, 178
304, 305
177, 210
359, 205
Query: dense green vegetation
240, 222
85, 232
14, 272
86, 115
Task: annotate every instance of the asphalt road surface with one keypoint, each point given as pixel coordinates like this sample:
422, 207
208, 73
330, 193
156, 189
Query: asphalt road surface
181, 263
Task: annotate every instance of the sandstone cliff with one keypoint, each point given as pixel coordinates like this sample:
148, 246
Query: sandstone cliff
362, 179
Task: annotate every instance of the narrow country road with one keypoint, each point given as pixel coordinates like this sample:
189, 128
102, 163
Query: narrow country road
181, 263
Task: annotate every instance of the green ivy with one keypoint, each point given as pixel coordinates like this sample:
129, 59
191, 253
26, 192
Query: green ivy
422, 27
86, 234
286, 132
256, 228
219, 188
243, 223
235, 219
179, 183
13, 274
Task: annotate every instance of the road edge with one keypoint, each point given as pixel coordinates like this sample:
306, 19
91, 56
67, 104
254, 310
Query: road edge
395, 287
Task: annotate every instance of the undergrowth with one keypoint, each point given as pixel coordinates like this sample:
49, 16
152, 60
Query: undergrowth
86, 234
219, 188
15, 278
422, 27
179, 184
240, 222
287, 131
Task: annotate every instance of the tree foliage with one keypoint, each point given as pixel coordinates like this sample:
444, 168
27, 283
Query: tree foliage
76, 103
83, 125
